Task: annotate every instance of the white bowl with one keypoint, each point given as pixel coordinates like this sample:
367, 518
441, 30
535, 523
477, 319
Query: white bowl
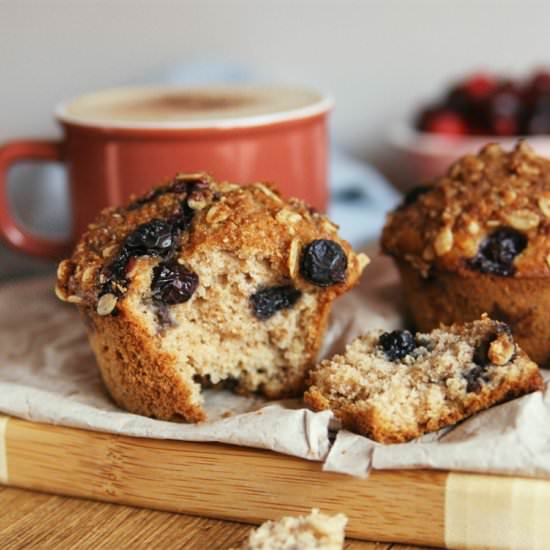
420, 156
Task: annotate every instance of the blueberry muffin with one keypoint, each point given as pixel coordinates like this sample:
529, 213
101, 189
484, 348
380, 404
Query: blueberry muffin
395, 386
478, 240
314, 532
200, 284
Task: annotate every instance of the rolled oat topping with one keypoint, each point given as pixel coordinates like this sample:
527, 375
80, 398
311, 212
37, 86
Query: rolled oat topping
452, 223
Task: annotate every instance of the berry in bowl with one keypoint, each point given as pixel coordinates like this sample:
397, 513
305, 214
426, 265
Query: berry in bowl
479, 109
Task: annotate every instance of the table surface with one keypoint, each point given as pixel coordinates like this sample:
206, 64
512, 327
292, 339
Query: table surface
32, 520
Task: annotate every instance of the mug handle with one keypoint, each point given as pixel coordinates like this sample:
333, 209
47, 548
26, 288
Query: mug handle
12, 232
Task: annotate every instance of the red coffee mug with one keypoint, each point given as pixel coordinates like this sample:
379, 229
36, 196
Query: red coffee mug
114, 147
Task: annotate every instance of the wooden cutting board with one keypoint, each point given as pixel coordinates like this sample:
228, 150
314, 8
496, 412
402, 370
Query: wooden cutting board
436, 508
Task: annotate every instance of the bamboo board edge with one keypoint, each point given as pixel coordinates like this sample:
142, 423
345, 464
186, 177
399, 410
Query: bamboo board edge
429, 507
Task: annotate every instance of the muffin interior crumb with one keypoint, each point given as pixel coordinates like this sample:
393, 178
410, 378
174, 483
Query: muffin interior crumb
215, 337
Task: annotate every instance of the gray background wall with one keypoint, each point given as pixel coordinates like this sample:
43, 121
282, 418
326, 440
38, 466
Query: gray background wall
377, 57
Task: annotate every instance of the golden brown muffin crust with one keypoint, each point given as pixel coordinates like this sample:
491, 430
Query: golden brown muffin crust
249, 219
445, 226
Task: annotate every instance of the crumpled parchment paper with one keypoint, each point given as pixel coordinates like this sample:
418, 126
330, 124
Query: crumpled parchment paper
47, 374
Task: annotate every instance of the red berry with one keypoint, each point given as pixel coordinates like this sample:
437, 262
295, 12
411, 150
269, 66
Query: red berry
505, 126
506, 100
479, 86
538, 123
445, 122
540, 82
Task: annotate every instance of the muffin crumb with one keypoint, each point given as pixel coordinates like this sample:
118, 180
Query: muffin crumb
314, 532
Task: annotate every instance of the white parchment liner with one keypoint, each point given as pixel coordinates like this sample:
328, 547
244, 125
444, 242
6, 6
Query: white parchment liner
47, 374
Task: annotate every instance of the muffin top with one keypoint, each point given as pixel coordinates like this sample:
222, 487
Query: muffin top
489, 214
193, 212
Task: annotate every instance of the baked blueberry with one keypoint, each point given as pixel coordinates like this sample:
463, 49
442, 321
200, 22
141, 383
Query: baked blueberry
155, 238
118, 267
397, 344
268, 301
172, 283
152, 238
474, 379
497, 252
324, 263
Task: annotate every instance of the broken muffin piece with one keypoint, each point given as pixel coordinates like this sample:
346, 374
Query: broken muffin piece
199, 283
314, 532
395, 386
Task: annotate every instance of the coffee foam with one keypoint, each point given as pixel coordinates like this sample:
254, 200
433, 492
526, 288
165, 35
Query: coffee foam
192, 107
